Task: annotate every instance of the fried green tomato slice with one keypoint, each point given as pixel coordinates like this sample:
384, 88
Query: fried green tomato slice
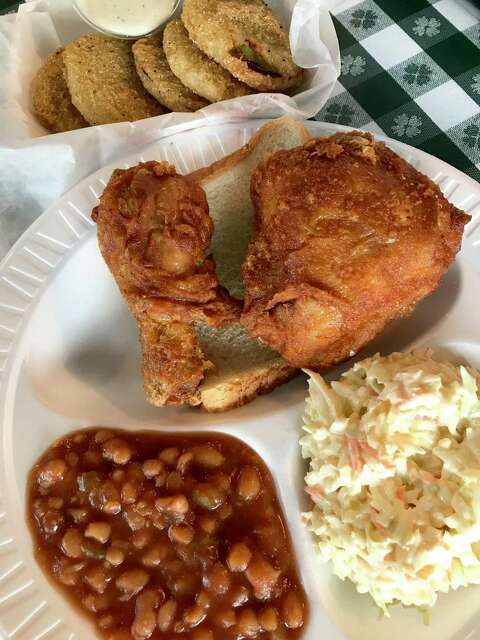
51, 99
196, 70
103, 81
246, 38
159, 80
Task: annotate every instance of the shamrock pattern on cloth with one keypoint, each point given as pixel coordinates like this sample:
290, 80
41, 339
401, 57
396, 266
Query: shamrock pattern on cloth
408, 126
419, 74
427, 26
354, 66
411, 70
363, 19
471, 136
341, 113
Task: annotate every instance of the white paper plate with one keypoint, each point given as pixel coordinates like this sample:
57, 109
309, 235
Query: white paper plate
69, 358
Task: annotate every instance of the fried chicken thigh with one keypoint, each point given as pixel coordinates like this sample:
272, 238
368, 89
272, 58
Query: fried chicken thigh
348, 236
154, 230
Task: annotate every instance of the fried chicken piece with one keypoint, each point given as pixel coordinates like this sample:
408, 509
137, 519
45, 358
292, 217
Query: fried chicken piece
348, 237
153, 230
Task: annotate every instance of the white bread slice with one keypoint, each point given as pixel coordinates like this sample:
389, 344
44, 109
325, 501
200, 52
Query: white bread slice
227, 185
243, 366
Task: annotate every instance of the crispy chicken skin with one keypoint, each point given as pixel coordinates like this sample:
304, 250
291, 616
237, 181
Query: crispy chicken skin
348, 236
153, 231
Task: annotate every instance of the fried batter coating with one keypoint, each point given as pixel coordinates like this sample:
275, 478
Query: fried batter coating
153, 231
348, 237
196, 70
159, 80
245, 38
103, 82
51, 99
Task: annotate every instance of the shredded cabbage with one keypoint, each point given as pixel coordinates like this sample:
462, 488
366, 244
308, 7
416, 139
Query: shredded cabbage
394, 476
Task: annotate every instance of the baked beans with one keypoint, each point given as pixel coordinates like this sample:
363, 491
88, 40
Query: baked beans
158, 536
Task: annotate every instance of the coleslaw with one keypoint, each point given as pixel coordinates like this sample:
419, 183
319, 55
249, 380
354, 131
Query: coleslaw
394, 476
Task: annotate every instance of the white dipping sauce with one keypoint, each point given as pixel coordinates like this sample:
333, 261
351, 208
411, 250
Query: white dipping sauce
126, 17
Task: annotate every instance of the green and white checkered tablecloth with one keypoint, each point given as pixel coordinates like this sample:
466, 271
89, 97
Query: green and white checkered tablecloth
411, 70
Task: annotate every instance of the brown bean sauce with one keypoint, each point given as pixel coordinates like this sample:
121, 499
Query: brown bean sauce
161, 536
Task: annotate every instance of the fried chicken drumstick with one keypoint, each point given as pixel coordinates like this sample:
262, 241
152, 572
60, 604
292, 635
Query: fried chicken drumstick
153, 231
348, 237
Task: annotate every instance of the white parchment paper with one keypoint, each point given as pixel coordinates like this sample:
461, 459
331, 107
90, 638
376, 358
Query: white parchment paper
37, 167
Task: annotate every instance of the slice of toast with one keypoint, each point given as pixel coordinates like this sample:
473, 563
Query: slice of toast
242, 366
